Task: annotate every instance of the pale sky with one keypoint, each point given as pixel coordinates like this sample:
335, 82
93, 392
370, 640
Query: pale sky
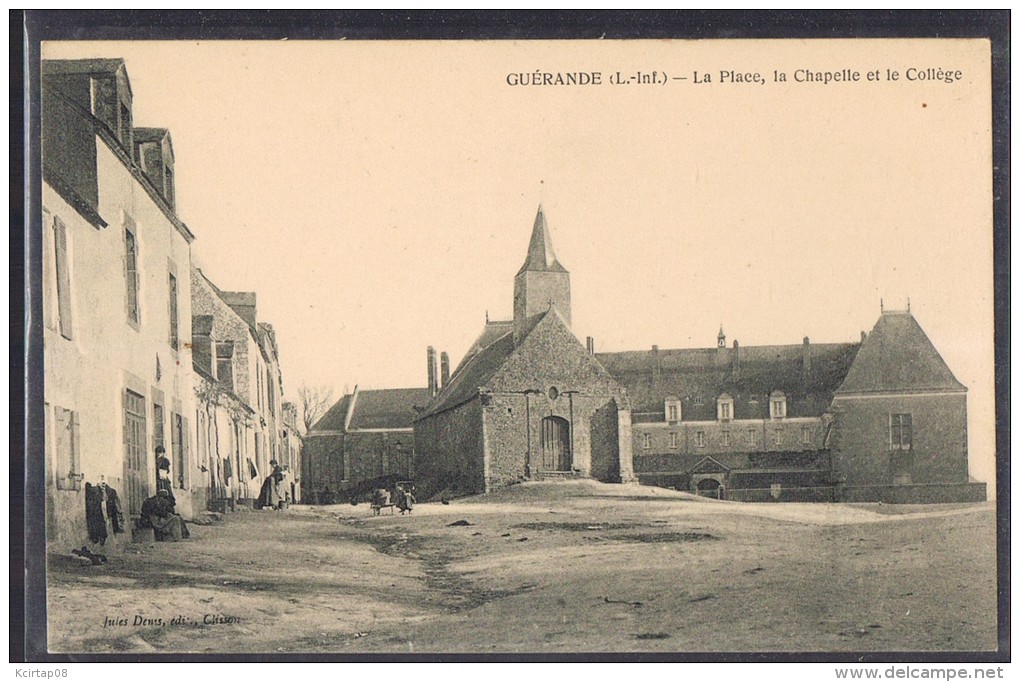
379, 196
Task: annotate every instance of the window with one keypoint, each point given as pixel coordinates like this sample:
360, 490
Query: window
777, 405
646, 441
753, 398
175, 339
63, 278
158, 438
131, 275
777, 437
724, 407
179, 444
258, 386
168, 187
901, 432
697, 400
672, 410
726, 438
805, 435
752, 437
271, 391
67, 449
673, 438
126, 129
699, 439
225, 364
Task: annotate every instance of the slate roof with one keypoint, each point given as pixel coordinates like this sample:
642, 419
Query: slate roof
390, 408
707, 373
541, 256
474, 374
898, 356
66, 66
493, 330
333, 419
143, 135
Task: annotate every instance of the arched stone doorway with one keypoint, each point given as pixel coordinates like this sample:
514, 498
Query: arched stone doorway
709, 487
556, 455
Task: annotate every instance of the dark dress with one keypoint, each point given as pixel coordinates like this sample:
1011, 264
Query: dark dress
158, 514
95, 519
163, 481
269, 495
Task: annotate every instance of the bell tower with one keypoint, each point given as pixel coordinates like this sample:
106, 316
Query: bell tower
541, 282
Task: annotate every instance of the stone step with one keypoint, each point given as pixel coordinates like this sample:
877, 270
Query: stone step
557, 475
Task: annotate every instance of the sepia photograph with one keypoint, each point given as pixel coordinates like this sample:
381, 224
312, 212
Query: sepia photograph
518, 347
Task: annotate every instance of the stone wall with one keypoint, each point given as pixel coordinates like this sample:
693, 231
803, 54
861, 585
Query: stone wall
449, 454
861, 438
322, 465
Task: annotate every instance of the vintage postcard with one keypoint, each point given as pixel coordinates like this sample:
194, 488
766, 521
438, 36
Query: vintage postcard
518, 347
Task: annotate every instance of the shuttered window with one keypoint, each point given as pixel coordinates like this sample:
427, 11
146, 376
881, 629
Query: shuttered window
174, 314
179, 444
67, 449
131, 275
63, 278
158, 438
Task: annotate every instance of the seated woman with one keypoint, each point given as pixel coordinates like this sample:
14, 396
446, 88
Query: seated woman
158, 514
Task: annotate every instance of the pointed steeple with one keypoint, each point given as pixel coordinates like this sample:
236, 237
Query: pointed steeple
541, 257
541, 283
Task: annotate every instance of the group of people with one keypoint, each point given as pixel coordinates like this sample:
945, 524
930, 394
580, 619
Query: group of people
273, 494
159, 512
400, 496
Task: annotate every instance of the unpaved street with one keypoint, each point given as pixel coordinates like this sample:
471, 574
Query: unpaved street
545, 567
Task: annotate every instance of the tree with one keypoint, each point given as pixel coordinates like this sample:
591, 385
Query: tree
315, 400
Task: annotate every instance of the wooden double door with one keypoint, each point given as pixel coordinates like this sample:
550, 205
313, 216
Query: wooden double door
556, 450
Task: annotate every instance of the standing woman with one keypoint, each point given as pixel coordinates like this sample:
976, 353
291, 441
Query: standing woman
163, 481
269, 496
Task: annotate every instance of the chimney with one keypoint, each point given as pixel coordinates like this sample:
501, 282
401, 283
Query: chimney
444, 364
736, 357
433, 388
864, 335
807, 358
591, 345
656, 369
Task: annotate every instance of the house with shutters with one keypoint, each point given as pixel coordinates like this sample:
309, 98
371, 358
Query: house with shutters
116, 298
241, 423
882, 418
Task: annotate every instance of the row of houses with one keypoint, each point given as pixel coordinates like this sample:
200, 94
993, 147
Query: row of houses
881, 418
141, 348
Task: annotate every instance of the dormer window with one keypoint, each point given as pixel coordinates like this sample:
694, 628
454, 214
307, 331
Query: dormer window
777, 405
724, 407
672, 409
697, 400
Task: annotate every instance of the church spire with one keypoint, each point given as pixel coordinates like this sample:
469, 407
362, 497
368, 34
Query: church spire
541, 283
541, 256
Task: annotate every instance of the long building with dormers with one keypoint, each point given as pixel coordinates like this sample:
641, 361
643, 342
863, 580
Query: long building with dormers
880, 418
